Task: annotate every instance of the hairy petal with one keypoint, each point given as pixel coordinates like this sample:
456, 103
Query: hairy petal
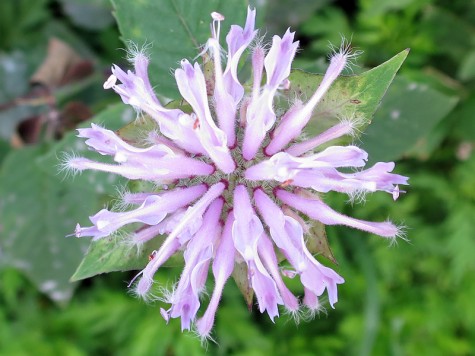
339, 130
269, 259
238, 39
152, 211
223, 266
288, 236
318, 210
192, 86
246, 231
185, 299
161, 170
296, 119
260, 113
228, 91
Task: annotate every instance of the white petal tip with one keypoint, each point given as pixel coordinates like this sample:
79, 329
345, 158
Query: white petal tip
110, 82
217, 16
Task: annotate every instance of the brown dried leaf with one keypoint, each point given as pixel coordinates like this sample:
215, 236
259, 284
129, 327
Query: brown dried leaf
61, 65
317, 241
240, 275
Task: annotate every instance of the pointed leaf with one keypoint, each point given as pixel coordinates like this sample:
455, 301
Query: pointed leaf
317, 241
351, 96
241, 277
111, 255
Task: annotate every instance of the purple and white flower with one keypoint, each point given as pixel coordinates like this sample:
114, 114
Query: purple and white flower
237, 181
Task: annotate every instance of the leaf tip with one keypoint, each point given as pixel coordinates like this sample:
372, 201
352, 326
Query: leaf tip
76, 278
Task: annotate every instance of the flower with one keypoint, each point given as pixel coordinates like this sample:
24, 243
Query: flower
235, 177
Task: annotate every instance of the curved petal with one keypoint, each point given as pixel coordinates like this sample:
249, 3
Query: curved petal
318, 210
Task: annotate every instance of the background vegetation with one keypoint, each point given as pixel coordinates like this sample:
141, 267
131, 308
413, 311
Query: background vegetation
415, 298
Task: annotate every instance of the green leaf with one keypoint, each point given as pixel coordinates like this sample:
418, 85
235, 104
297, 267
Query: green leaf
111, 255
351, 96
461, 244
89, 14
331, 24
464, 128
37, 212
407, 116
467, 67
40, 206
175, 29
282, 14
21, 17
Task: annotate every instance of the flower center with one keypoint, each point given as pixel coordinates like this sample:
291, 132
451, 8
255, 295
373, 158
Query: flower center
237, 176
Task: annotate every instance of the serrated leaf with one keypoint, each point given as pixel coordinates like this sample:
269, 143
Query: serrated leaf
350, 96
317, 241
111, 255
175, 29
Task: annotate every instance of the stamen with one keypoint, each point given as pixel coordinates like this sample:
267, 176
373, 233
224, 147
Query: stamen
396, 192
217, 18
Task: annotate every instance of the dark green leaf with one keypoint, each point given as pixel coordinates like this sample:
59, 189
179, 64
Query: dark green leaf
175, 29
40, 206
282, 14
37, 212
463, 118
21, 17
408, 114
467, 67
90, 14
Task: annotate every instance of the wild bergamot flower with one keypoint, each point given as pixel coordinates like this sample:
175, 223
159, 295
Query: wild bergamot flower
236, 180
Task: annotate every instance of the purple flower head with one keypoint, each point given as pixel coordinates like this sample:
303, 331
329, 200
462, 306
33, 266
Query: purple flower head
236, 182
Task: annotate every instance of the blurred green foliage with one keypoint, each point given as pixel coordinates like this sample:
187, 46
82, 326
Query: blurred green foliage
414, 298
